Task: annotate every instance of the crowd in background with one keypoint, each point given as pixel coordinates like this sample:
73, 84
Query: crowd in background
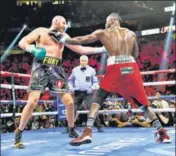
151, 55
149, 59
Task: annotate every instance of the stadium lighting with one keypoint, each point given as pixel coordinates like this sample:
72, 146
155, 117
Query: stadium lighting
169, 9
24, 26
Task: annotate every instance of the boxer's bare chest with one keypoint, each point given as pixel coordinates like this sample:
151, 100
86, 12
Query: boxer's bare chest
52, 47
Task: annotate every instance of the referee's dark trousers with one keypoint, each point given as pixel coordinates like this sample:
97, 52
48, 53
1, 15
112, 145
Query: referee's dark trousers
83, 96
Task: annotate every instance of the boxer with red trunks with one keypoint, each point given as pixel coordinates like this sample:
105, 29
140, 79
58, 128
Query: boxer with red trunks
122, 74
123, 77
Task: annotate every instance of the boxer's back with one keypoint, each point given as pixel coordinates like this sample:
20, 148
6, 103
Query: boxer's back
118, 41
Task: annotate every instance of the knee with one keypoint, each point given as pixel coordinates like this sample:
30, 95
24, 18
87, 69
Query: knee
32, 102
67, 100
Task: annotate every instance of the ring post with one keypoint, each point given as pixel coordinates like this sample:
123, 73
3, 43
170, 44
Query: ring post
13, 97
61, 110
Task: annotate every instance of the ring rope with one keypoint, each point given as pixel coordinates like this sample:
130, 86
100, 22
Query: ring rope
51, 101
7, 86
85, 112
25, 101
8, 74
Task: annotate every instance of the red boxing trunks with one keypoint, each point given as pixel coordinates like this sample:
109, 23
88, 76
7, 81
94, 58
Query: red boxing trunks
122, 76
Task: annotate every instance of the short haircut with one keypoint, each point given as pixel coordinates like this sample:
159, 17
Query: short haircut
58, 17
116, 16
84, 57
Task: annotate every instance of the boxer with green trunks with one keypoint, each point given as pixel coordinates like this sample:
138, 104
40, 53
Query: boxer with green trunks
48, 72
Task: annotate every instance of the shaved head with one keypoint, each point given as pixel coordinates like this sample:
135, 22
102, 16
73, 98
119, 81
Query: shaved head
84, 57
59, 23
84, 60
115, 16
57, 19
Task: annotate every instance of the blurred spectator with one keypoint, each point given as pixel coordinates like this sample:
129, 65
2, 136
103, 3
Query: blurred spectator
163, 117
151, 52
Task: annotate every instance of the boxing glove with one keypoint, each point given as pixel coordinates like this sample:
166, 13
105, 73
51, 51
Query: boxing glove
57, 36
38, 52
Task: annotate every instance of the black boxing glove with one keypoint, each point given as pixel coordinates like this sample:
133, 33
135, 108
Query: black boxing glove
57, 36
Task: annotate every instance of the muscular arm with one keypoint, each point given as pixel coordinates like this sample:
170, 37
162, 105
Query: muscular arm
84, 39
135, 53
30, 38
85, 50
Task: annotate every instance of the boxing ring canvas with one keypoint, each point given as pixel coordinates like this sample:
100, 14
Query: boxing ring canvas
112, 142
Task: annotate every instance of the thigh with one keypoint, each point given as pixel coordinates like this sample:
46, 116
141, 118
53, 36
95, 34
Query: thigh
100, 95
38, 80
33, 97
66, 99
57, 80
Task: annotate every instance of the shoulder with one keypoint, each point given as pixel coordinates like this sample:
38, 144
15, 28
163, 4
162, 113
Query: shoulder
98, 32
92, 69
128, 31
40, 30
132, 33
76, 68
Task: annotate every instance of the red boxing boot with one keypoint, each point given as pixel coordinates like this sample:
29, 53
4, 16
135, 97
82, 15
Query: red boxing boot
163, 136
85, 138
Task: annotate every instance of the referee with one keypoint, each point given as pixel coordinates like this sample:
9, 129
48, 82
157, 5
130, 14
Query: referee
82, 83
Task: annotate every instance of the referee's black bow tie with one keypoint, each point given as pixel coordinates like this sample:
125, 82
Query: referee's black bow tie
83, 68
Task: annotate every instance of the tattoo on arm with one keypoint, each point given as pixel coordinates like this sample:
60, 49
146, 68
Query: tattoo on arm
85, 39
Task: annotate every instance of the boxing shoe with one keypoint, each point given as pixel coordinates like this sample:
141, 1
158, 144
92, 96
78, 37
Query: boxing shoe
18, 139
85, 138
162, 136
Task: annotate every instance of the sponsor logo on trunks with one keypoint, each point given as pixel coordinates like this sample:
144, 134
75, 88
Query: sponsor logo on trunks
59, 83
126, 70
122, 59
51, 60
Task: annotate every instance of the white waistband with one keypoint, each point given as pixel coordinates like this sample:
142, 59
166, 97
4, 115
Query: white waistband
120, 59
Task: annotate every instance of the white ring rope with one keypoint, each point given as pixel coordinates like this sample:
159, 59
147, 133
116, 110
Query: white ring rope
167, 97
158, 72
8, 74
33, 114
7, 86
159, 83
85, 112
24, 101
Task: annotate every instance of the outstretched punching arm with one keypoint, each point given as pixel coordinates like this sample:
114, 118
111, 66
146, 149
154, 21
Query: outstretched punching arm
74, 43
